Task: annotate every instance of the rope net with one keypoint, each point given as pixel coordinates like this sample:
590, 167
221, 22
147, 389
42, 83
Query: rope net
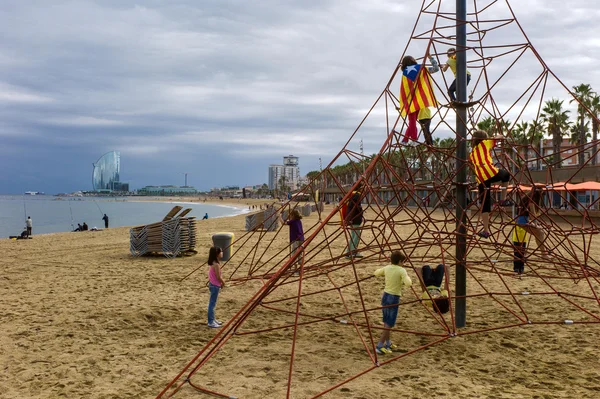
408, 193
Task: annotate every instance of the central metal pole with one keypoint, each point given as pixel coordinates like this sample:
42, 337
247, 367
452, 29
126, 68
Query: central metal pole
461, 169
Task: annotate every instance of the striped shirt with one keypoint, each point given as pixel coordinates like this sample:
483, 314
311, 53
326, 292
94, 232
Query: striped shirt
481, 158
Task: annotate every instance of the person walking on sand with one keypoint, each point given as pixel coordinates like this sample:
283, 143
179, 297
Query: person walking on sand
29, 225
396, 279
215, 284
105, 218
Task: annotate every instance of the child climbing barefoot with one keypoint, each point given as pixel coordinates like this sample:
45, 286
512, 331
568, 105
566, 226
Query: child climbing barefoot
396, 278
487, 173
529, 206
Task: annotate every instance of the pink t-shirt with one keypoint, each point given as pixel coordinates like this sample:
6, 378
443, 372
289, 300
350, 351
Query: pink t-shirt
212, 276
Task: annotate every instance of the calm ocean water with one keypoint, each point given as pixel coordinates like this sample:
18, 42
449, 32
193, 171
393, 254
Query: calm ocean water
51, 215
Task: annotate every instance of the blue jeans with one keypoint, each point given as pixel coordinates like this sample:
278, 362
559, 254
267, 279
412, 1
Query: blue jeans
354, 238
452, 88
212, 302
390, 313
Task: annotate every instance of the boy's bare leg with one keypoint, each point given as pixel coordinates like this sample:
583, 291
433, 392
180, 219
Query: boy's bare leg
485, 218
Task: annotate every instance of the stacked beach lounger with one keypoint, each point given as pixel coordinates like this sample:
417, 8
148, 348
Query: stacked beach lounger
267, 220
174, 235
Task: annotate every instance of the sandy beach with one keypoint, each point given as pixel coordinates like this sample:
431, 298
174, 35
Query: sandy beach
81, 317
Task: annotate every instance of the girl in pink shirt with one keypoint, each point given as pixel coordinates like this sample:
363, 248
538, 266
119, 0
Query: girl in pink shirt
215, 283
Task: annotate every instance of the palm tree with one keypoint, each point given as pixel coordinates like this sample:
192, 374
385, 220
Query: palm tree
583, 97
521, 138
595, 108
488, 125
556, 120
535, 135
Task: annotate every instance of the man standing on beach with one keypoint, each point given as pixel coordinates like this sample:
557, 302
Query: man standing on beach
29, 225
105, 218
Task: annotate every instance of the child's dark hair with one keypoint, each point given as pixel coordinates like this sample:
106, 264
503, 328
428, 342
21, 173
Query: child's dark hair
407, 60
213, 255
478, 137
397, 257
295, 215
451, 50
441, 304
536, 195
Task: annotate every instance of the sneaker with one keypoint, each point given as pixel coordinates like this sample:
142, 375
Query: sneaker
358, 255
214, 324
484, 234
218, 322
391, 346
383, 351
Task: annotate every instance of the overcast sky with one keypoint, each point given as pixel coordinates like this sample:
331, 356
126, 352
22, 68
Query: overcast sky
219, 89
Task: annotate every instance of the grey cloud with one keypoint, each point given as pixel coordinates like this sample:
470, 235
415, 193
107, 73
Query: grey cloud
236, 82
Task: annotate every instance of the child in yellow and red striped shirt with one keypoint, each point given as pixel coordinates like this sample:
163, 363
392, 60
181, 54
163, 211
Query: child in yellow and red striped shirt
487, 173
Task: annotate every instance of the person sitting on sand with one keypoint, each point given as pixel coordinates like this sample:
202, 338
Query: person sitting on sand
84, 227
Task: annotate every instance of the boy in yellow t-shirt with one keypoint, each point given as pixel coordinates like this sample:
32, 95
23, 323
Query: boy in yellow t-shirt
396, 279
520, 247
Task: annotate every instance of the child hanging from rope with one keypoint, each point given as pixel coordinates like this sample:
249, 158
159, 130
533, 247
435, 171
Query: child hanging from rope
396, 279
410, 95
434, 295
529, 205
487, 173
451, 63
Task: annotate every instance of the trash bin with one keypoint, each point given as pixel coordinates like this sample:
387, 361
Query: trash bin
223, 241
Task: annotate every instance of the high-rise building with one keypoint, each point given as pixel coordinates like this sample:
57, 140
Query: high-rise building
105, 176
289, 170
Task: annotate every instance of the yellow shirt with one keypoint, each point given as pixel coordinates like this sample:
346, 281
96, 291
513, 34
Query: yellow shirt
452, 64
431, 292
424, 113
396, 278
519, 234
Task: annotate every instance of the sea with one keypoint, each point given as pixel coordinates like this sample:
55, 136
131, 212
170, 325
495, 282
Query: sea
51, 214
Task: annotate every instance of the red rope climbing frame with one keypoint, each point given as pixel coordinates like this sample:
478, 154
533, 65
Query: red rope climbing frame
396, 180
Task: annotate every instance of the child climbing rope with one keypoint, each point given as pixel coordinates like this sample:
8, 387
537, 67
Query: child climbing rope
487, 173
434, 295
416, 96
520, 247
296, 233
451, 63
529, 206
